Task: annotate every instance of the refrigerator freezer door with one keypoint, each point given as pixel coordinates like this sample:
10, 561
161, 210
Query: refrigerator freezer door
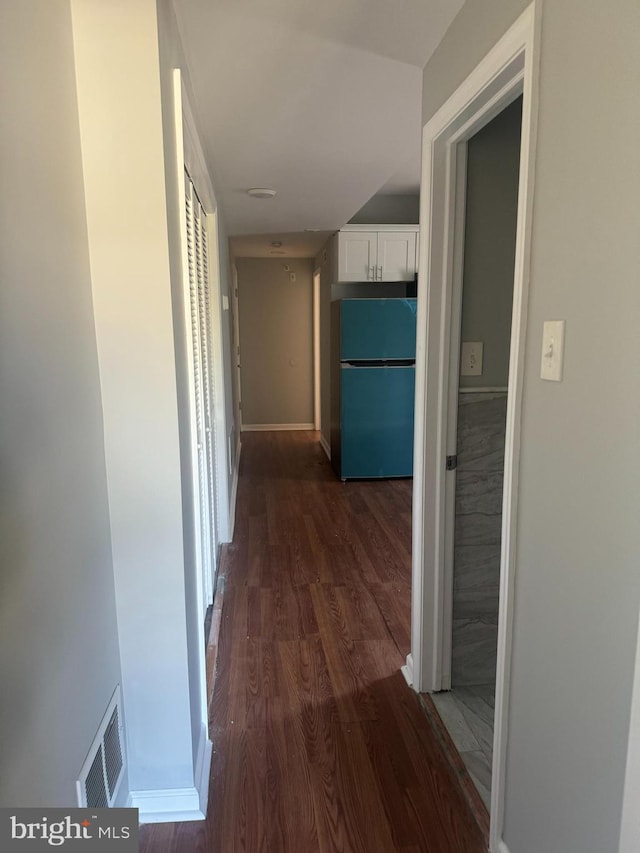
377, 421
377, 329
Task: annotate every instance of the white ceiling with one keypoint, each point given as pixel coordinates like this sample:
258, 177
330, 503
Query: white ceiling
318, 99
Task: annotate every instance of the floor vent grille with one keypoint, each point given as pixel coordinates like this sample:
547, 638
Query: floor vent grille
103, 768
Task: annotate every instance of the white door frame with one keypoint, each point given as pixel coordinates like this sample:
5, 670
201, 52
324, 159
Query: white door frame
451, 414
189, 155
236, 354
316, 349
508, 69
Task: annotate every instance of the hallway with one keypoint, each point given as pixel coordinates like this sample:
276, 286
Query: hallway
319, 745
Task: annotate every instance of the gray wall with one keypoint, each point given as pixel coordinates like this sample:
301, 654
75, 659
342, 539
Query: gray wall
58, 630
577, 579
493, 159
276, 340
389, 209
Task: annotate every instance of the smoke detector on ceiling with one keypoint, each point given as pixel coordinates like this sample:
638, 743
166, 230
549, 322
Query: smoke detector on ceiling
261, 192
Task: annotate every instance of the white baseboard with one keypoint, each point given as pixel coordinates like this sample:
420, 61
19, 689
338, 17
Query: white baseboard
168, 805
203, 767
172, 805
234, 492
274, 427
407, 671
325, 446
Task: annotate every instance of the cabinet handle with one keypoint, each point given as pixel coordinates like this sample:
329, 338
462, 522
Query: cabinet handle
371, 276
379, 273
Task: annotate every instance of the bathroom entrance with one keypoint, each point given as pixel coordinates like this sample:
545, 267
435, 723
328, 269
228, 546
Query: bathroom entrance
486, 234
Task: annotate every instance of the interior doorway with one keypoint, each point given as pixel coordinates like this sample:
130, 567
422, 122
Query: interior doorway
487, 199
509, 70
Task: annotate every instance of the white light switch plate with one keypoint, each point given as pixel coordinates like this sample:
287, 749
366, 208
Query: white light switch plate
552, 350
471, 358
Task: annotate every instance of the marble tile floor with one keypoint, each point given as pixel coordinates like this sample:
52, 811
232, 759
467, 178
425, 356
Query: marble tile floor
467, 713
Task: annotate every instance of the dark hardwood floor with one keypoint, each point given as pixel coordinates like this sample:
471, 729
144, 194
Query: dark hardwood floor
319, 745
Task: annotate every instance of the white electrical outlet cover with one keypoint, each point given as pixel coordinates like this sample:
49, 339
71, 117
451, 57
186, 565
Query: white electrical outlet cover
471, 358
552, 350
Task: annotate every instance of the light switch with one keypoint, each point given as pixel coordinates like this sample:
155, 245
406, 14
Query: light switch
471, 358
552, 350
225, 302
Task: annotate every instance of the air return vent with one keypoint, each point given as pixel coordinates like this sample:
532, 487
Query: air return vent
103, 768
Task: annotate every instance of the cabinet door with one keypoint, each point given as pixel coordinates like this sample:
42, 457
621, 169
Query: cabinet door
357, 255
396, 256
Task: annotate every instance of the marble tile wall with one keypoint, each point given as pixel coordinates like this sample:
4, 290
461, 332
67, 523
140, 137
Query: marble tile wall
479, 480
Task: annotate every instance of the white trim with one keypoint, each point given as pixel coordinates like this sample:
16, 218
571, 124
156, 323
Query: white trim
456, 224
325, 446
275, 427
407, 670
171, 805
195, 163
317, 422
486, 389
501, 848
203, 767
382, 227
236, 354
197, 532
630, 821
508, 69
193, 155
219, 405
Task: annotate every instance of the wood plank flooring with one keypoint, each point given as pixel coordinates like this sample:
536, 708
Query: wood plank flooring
319, 745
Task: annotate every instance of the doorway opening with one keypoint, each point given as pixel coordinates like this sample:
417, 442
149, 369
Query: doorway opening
508, 71
487, 202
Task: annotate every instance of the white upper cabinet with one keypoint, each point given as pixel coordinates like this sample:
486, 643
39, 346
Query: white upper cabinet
357, 255
396, 255
387, 253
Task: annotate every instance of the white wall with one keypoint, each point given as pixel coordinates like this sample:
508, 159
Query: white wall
276, 340
119, 93
58, 633
577, 579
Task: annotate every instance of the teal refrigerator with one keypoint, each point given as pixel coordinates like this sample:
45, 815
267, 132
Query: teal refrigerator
373, 344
